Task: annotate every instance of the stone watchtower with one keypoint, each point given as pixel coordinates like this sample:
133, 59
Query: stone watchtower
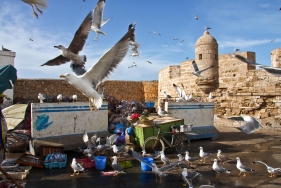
206, 55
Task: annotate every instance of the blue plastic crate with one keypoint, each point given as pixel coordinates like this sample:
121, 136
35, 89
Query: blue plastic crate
51, 165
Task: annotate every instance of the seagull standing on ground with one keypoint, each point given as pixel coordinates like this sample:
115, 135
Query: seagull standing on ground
59, 97
222, 157
166, 161
198, 72
76, 45
41, 97
77, 167
185, 179
98, 22
88, 82
203, 154
219, 169
242, 167
116, 167
189, 159
270, 169
37, 3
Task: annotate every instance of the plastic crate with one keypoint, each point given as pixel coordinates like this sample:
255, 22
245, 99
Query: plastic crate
17, 175
49, 149
86, 162
51, 165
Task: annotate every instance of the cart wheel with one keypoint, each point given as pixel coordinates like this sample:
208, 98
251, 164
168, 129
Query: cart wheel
182, 143
152, 144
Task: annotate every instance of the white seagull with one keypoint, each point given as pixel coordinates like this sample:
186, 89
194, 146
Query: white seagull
37, 3
154, 32
198, 72
203, 154
41, 97
74, 97
270, 169
98, 22
251, 124
166, 95
161, 112
242, 167
188, 158
87, 82
77, 167
207, 28
59, 97
116, 167
184, 175
181, 94
76, 45
196, 17
272, 70
222, 157
219, 169
166, 161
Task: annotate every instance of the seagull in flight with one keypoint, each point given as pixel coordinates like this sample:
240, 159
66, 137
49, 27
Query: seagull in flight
196, 17
154, 32
273, 40
251, 124
30, 39
76, 45
37, 3
88, 82
207, 28
272, 70
198, 72
148, 62
98, 22
181, 94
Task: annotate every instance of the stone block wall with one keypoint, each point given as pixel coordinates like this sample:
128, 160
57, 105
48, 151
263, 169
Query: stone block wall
242, 90
26, 90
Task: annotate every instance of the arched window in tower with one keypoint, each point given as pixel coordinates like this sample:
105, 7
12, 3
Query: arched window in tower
200, 56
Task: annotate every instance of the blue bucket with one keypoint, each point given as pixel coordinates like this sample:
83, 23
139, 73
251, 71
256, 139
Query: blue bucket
144, 166
100, 162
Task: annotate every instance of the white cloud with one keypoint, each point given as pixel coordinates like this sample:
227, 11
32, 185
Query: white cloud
264, 5
242, 43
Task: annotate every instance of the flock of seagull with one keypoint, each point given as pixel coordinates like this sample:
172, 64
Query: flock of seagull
183, 161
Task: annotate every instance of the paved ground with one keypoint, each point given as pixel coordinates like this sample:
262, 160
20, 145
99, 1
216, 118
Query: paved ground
263, 146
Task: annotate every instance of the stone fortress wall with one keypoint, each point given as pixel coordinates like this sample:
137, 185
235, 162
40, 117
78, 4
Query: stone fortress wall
26, 90
238, 88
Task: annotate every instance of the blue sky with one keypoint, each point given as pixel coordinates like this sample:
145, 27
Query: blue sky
248, 25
